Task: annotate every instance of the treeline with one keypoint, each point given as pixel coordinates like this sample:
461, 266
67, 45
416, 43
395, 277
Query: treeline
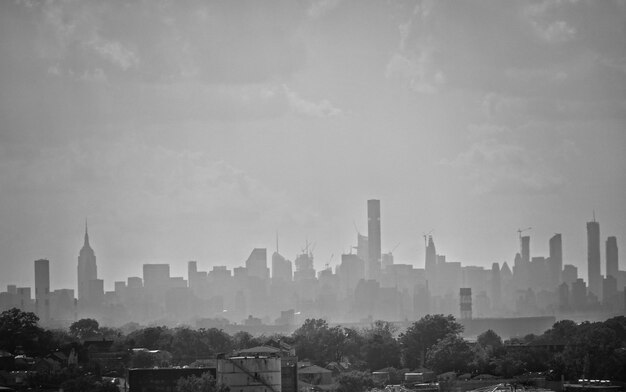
567, 350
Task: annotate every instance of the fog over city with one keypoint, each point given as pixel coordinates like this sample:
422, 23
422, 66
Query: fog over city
200, 131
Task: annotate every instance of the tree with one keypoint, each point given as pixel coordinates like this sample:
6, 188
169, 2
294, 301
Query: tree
86, 328
423, 334
142, 360
188, 345
311, 341
489, 339
20, 329
152, 338
244, 339
355, 381
87, 383
450, 354
380, 348
204, 383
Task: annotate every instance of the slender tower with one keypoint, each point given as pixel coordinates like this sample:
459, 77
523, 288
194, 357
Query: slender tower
612, 259
373, 236
87, 268
556, 260
42, 289
593, 258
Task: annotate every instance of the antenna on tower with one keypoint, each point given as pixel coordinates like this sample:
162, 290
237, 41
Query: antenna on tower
594, 215
277, 241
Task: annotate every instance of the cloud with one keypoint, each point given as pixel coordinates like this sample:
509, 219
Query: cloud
414, 60
319, 8
491, 166
302, 106
417, 70
115, 53
125, 179
214, 42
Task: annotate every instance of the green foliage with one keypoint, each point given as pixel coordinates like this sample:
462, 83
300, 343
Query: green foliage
85, 329
20, 329
142, 359
380, 348
204, 383
243, 339
489, 340
450, 354
355, 381
87, 383
424, 334
152, 338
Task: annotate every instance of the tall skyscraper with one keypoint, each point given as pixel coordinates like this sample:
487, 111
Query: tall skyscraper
556, 260
373, 236
612, 260
431, 255
42, 289
526, 249
496, 286
593, 258
87, 268
281, 268
256, 265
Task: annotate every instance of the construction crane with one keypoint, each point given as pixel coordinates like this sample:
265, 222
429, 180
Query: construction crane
394, 248
356, 228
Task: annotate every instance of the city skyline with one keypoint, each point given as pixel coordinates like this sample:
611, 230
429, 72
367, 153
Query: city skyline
196, 131
87, 255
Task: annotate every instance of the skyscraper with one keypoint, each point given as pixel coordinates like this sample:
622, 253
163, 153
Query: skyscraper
373, 236
526, 249
281, 268
430, 264
42, 289
612, 260
556, 260
87, 268
593, 258
496, 286
256, 265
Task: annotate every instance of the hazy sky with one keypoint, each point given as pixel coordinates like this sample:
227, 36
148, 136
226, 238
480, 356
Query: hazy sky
194, 130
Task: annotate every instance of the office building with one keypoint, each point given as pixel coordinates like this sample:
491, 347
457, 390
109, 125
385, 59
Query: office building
87, 268
42, 289
465, 297
373, 237
556, 260
156, 276
612, 261
281, 268
256, 264
525, 249
593, 258
569, 274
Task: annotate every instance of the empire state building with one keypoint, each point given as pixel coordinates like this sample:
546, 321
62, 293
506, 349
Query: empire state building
87, 268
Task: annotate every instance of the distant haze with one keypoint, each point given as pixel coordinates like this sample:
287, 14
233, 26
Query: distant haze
197, 130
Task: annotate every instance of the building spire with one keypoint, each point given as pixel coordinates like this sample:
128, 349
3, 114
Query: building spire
86, 234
